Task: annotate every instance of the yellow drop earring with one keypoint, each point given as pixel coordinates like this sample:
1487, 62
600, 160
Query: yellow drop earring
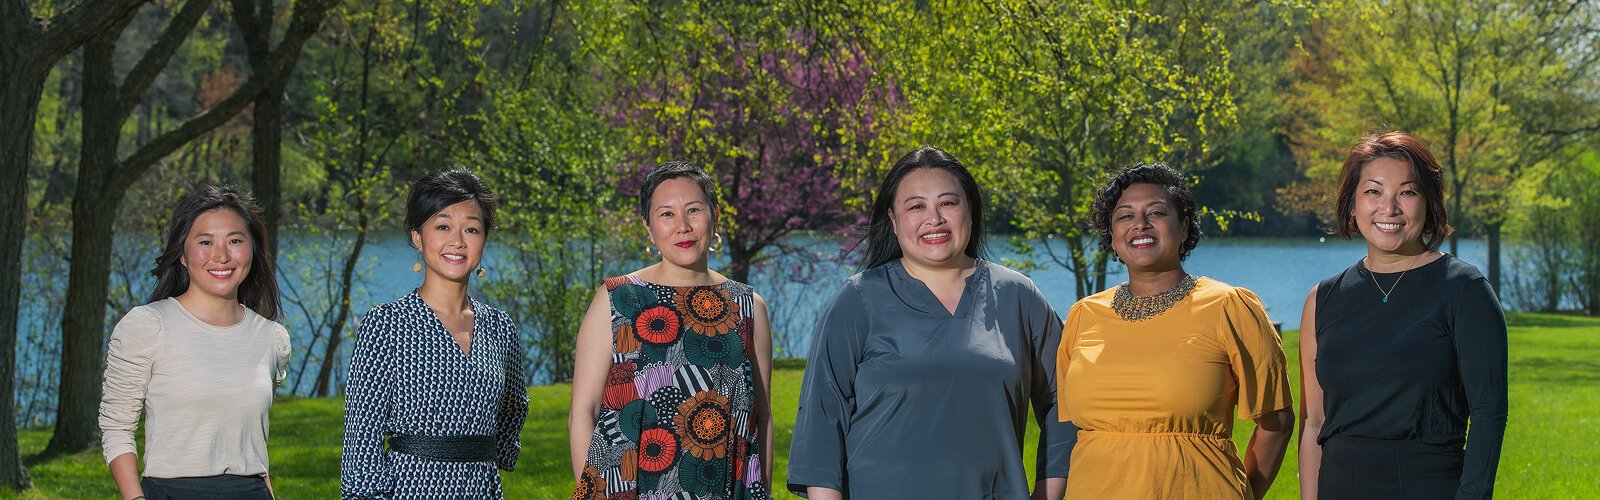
416, 267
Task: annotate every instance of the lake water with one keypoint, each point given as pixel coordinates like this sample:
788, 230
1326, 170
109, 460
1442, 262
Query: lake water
1280, 271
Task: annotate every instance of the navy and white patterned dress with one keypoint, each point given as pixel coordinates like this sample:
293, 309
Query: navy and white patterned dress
409, 377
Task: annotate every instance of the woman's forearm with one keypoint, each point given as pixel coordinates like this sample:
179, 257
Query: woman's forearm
1267, 446
125, 471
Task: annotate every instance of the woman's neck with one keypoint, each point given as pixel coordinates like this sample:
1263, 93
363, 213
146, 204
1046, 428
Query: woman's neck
955, 272
444, 295
212, 309
1142, 283
667, 273
1406, 259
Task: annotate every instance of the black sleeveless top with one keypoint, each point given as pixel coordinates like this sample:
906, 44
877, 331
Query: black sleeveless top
1418, 366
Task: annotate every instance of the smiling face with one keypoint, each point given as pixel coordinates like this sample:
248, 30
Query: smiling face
451, 242
1389, 211
680, 222
1146, 231
217, 253
931, 218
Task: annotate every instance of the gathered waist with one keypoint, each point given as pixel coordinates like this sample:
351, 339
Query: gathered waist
1085, 433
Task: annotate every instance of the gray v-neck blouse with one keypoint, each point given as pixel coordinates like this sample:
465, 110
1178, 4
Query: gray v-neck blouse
903, 399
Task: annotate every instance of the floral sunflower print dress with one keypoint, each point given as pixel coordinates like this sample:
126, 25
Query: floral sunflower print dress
676, 416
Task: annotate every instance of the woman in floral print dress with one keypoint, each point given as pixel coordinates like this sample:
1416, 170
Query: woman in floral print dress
670, 391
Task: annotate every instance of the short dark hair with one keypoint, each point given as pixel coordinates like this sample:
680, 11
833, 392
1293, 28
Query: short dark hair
259, 290
1403, 147
440, 189
882, 246
1158, 174
673, 170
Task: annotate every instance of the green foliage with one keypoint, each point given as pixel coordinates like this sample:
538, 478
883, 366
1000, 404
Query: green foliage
1559, 225
1044, 99
554, 162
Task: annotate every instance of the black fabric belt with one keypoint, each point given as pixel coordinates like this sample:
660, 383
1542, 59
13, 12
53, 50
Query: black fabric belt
446, 448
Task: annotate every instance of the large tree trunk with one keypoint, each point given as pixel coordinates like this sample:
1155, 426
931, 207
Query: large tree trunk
94, 213
23, 83
266, 175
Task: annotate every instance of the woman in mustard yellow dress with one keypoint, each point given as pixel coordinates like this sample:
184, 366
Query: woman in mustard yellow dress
1153, 371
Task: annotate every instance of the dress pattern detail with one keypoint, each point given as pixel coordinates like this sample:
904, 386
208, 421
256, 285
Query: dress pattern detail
409, 377
675, 417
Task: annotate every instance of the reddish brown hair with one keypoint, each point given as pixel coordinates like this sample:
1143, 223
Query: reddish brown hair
1430, 183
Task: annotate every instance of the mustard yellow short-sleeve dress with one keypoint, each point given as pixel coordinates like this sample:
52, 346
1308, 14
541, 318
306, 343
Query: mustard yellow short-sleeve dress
1154, 400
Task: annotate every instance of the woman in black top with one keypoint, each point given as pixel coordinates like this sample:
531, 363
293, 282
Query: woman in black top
1402, 349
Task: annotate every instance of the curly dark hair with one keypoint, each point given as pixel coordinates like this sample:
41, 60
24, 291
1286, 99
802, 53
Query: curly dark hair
1146, 173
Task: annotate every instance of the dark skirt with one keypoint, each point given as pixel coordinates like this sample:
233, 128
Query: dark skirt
1371, 469
220, 487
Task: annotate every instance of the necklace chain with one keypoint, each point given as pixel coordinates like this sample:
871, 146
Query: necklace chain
1135, 308
1374, 275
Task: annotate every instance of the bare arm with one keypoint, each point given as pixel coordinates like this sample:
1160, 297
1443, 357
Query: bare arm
591, 364
1050, 488
820, 493
1311, 414
125, 471
1264, 455
762, 336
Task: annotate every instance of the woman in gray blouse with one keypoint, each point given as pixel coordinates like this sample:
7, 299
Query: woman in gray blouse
924, 365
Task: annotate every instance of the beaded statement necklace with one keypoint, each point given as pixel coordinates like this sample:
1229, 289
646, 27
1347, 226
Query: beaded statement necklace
1135, 308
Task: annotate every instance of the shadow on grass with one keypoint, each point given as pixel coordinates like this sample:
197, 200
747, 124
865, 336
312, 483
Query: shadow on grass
1551, 370
1551, 320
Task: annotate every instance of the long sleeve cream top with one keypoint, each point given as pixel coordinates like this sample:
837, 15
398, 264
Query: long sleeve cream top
204, 390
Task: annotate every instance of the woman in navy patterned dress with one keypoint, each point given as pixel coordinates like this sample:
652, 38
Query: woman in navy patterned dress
670, 390
437, 373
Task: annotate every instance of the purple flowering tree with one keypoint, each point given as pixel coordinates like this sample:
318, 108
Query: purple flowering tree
784, 127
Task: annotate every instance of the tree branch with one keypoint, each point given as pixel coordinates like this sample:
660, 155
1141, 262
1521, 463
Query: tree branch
75, 25
155, 60
308, 16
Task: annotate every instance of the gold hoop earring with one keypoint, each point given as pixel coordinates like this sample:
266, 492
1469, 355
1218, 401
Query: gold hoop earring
717, 247
648, 254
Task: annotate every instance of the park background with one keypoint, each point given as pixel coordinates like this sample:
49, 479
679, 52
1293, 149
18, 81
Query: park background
326, 109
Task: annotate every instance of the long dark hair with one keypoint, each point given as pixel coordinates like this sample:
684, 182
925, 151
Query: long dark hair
1403, 147
882, 246
259, 290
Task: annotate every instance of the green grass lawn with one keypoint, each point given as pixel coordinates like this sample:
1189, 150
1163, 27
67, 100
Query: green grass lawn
1552, 447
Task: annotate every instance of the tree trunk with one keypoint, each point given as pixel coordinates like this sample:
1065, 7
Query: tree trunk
23, 80
94, 215
739, 259
266, 175
330, 357
1493, 236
